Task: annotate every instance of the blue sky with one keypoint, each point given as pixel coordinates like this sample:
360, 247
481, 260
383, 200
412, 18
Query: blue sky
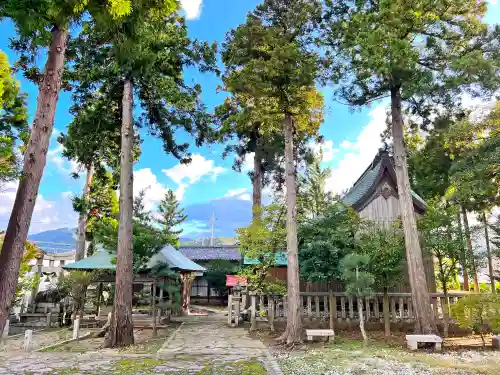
208, 184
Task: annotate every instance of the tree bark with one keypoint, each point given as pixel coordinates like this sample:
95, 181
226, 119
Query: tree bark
471, 252
257, 182
35, 159
362, 322
387, 316
82, 218
463, 255
420, 294
121, 331
293, 329
187, 282
488, 252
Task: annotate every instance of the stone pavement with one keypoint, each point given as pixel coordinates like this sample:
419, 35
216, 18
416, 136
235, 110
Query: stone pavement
202, 345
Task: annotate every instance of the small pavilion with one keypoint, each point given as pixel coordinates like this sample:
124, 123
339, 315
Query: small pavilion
104, 260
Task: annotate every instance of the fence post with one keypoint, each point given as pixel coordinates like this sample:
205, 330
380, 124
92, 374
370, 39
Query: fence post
325, 304
401, 308
342, 307
316, 302
28, 337
76, 329
309, 307
367, 308
271, 313
393, 309
253, 313
351, 308
376, 308
230, 309
333, 310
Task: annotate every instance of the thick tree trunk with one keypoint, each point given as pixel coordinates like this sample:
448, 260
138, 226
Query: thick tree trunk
187, 282
362, 322
34, 163
419, 292
468, 237
82, 218
387, 316
121, 332
257, 182
463, 255
488, 252
294, 324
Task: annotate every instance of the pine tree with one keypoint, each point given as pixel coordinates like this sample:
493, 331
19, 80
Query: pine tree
408, 50
171, 216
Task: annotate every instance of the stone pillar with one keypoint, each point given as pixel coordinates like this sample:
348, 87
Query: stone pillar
76, 329
49, 319
28, 337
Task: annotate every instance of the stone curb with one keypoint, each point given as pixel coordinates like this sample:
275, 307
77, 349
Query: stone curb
63, 342
169, 339
275, 367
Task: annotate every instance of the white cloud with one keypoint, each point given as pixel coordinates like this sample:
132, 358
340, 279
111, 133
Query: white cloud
63, 165
241, 193
194, 171
146, 180
192, 8
359, 153
247, 165
179, 192
47, 214
327, 149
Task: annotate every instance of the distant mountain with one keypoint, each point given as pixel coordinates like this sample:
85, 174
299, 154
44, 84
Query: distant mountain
218, 241
55, 241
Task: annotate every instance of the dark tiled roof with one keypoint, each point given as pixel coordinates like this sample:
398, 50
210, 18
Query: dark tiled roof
371, 177
211, 253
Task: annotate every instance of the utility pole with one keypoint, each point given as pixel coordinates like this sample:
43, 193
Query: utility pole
212, 220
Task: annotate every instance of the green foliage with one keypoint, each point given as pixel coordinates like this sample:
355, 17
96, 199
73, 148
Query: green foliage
147, 238
75, 285
386, 250
171, 216
442, 240
216, 274
13, 122
356, 274
313, 200
421, 50
261, 240
325, 241
478, 312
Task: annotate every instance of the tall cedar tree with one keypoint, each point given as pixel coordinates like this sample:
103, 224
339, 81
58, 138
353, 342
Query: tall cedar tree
270, 57
143, 55
39, 25
475, 147
92, 141
171, 216
13, 122
403, 49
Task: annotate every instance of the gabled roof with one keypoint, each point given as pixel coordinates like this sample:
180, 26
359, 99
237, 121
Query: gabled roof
211, 252
175, 259
104, 260
366, 185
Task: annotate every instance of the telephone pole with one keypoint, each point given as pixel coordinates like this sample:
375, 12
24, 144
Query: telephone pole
212, 222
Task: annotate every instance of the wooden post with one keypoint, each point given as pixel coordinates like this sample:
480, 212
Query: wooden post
393, 309
351, 308
401, 308
99, 297
376, 308
253, 313
28, 337
325, 305
309, 307
76, 329
316, 302
342, 307
333, 310
153, 307
368, 308
230, 310
271, 313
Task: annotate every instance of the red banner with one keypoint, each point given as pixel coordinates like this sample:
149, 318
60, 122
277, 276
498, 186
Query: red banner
233, 280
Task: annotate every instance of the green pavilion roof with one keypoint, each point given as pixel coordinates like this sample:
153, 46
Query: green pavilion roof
104, 260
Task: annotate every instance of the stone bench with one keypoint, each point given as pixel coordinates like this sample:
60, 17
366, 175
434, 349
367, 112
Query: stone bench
413, 340
311, 333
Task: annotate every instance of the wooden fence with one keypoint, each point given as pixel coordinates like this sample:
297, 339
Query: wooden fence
338, 306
